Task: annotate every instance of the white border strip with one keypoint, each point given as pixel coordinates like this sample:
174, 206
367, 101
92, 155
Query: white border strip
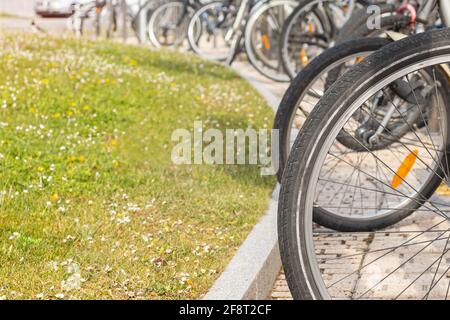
253, 270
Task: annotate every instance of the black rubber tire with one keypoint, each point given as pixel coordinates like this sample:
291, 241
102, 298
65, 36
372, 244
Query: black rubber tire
355, 27
192, 42
185, 20
292, 221
297, 90
149, 7
252, 57
287, 27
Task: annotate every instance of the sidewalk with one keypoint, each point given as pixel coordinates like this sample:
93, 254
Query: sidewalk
280, 289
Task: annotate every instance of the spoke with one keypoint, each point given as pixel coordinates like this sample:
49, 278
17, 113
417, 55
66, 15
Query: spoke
419, 107
440, 116
387, 248
390, 251
411, 128
440, 278
437, 211
422, 273
384, 192
405, 146
360, 193
349, 179
401, 265
328, 172
437, 268
390, 169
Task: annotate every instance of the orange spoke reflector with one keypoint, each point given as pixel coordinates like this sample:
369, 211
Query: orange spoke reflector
304, 57
265, 41
404, 168
310, 27
359, 59
443, 190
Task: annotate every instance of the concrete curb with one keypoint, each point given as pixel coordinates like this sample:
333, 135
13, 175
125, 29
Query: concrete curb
271, 99
252, 272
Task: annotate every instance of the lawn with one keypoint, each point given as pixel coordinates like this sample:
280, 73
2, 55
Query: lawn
91, 205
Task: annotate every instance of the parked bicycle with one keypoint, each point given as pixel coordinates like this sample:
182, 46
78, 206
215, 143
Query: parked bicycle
317, 76
168, 24
222, 30
370, 154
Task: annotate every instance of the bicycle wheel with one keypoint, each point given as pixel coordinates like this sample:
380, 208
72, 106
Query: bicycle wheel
410, 259
397, 23
262, 37
356, 25
207, 29
309, 85
309, 30
299, 100
146, 8
168, 24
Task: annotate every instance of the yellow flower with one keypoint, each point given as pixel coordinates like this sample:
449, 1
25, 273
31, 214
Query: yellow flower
54, 197
45, 81
82, 159
86, 108
72, 159
40, 169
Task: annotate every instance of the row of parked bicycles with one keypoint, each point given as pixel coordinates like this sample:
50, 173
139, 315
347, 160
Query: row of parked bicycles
364, 146
364, 135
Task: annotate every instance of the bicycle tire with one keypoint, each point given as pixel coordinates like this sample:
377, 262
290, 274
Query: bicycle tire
299, 87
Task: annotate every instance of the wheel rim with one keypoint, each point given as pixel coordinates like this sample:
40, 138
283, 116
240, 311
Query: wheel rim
199, 20
256, 38
166, 25
317, 45
313, 93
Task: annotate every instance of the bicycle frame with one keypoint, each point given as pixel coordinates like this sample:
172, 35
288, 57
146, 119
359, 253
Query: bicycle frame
238, 20
444, 10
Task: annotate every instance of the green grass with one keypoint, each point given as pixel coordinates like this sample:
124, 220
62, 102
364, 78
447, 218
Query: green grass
91, 205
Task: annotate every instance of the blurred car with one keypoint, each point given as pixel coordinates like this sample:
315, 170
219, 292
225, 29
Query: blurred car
57, 8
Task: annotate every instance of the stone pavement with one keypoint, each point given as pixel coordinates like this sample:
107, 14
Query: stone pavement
280, 289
